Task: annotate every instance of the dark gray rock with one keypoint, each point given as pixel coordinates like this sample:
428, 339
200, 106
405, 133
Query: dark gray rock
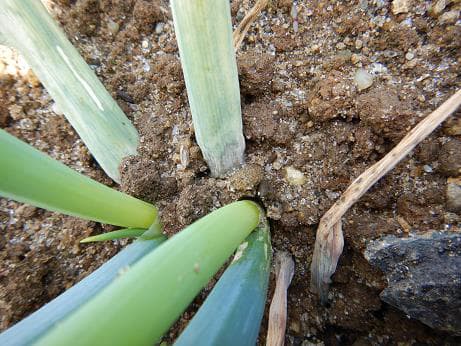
424, 276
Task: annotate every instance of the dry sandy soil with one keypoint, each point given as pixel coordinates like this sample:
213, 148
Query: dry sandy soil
301, 110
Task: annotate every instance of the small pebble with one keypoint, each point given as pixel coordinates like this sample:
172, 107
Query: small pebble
159, 28
449, 17
409, 56
294, 176
340, 46
113, 26
240, 14
363, 4
356, 58
363, 79
358, 44
453, 194
184, 155
274, 212
400, 6
145, 44
427, 169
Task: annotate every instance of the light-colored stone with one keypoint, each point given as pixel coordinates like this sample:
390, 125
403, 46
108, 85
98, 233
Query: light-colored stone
363, 79
401, 6
356, 58
454, 194
113, 26
358, 44
294, 176
409, 56
449, 17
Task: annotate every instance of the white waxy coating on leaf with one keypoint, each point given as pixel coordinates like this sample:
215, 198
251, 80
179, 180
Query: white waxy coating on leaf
80, 79
204, 33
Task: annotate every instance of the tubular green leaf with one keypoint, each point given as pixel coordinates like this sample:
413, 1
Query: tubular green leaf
29, 176
204, 34
32, 327
97, 118
118, 234
144, 302
232, 313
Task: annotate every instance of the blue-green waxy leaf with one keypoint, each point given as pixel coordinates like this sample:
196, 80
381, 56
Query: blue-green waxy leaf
232, 313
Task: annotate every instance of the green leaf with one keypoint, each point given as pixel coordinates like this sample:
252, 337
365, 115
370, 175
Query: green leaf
232, 313
145, 301
97, 118
29, 176
31, 328
204, 33
118, 234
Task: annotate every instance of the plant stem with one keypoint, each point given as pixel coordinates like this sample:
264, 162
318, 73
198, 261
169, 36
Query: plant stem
97, 118
144, 302
29, 176
204, 34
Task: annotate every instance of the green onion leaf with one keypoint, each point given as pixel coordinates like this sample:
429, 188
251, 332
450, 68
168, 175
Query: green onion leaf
232, 313
29, 176
204, 33
140, 306
31, 328
118, 234
97, 118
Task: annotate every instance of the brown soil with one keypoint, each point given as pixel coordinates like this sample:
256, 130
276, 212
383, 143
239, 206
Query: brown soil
301, 109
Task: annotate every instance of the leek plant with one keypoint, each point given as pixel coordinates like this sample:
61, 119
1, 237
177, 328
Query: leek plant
137, 295
204, 33
153, 293
140, 306
99, 121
